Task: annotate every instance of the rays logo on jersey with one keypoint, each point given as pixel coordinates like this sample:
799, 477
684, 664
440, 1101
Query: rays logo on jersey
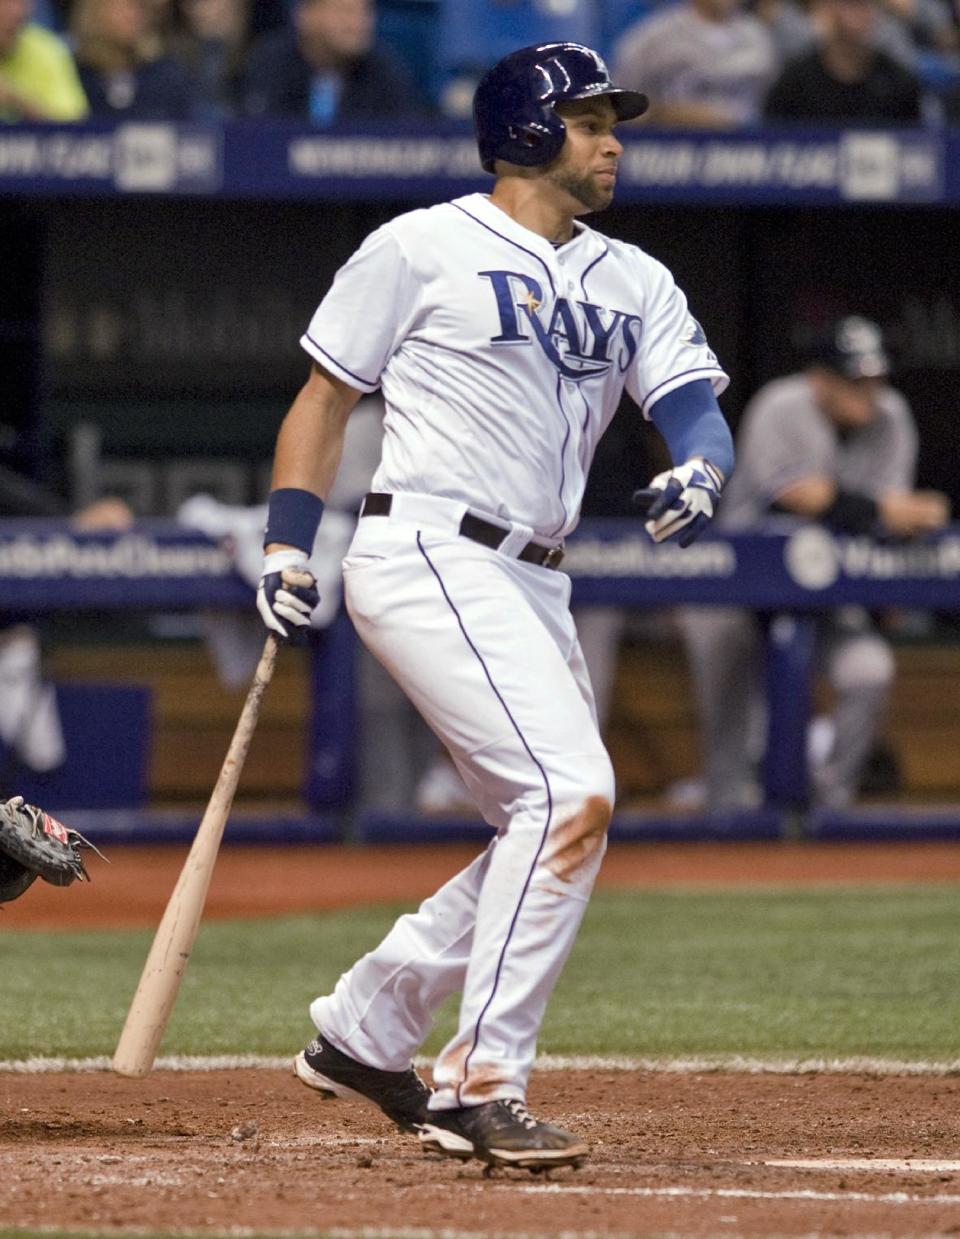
693, 334
581, 339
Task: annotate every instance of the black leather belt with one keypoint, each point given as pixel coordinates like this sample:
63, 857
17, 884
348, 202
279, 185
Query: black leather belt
477, 530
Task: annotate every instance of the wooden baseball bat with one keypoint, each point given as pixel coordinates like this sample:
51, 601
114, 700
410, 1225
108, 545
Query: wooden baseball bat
173, 941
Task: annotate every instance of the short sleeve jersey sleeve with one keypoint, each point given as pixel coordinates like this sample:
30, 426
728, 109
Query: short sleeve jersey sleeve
365, 316
672, 348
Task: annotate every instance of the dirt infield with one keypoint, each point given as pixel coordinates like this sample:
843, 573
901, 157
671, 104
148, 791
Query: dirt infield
673, 1154
260, 881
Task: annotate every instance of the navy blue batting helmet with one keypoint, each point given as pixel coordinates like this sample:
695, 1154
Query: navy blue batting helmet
513, 108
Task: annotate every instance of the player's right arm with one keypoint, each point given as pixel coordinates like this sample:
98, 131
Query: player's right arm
310, 441
355, 330
307, 455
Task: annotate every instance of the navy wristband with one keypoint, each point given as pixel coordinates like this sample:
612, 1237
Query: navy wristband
292, 518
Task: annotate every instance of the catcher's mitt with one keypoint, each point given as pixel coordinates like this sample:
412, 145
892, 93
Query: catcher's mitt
33, 844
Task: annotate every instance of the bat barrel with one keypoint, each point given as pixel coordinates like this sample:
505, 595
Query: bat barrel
173, 942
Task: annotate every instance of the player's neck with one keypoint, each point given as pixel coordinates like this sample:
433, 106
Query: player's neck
524, 201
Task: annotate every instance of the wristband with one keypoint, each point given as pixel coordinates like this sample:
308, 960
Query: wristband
850, 512
292, 518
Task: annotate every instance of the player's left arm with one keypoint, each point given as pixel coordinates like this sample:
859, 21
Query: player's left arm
682, 501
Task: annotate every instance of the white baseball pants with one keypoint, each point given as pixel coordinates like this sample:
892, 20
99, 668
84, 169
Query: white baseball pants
485, 647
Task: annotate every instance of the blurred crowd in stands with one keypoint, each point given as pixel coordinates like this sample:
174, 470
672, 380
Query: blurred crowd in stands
714, 64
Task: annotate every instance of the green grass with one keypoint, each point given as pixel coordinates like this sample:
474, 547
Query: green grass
860, 971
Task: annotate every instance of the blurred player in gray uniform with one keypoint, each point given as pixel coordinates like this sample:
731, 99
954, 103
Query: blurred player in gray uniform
502, 332
837, 445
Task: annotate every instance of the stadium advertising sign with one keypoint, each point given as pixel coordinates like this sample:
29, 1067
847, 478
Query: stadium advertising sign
283, 160
800, 570
846, 167
816, 560
131, 158
764, 167
46, 566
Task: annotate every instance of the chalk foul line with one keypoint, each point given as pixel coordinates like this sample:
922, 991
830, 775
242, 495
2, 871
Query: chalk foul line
911, 1165
736, 1064
741, 1193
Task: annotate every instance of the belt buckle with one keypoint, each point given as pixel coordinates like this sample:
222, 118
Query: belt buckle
553, 557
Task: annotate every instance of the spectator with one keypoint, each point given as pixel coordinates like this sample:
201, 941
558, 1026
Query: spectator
38, 79
835, 445
212, 42
924, 26
122, 69
326, 67
845, 77
907, 30
704, 64
789, 26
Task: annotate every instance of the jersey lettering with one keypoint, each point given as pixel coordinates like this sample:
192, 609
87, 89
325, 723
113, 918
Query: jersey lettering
576, 340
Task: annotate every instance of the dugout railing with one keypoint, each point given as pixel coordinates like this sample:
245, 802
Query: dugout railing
791, 575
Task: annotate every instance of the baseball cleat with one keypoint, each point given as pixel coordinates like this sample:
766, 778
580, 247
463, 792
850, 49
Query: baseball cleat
500, 1133
401, 1095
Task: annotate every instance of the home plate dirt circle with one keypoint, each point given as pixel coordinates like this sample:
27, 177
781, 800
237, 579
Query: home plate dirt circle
251, 1152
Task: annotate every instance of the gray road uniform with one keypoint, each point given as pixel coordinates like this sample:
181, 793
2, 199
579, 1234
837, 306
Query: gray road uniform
784, 437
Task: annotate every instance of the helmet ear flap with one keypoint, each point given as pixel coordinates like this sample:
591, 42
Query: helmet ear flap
531, 136
532, 143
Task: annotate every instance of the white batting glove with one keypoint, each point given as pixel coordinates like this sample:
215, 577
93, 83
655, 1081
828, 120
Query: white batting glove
681, 501
287, 593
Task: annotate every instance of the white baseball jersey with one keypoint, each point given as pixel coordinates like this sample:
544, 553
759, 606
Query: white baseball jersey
502, 358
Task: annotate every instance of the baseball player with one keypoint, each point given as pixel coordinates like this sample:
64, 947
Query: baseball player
834, 444
502, 332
